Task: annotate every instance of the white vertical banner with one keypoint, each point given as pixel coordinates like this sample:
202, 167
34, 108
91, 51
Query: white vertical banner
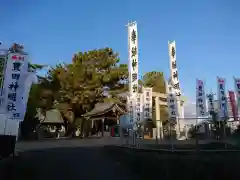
133, 58
237, 92
26, 80
3, 61
15, 76
172, 106
210, 98
147, 95
138, 111
201, 109
222, 99
173, 67
131, 105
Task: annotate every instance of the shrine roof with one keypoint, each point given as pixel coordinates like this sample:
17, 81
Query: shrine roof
102, 108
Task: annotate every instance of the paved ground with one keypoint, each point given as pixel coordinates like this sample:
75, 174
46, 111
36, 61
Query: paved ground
69, 159
48, 144
63, 159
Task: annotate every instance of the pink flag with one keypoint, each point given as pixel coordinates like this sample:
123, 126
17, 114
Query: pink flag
233, 104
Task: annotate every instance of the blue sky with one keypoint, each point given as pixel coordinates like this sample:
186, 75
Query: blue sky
206, 33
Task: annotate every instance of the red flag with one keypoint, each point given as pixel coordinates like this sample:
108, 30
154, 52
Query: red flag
233, 104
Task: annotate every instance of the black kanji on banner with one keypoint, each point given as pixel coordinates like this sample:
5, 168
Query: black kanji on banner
134, 76
174, 65
134, 51
134, 64
178, 94
16, 76
173, 52
134, 88
147, 109
12, 96
13, 86
200, 106
220, 86
222, 92
175, 75
16, 115
133, 36
16, 66
176, 86
11, 107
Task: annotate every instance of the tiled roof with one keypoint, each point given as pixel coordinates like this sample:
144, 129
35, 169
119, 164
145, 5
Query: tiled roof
102, 108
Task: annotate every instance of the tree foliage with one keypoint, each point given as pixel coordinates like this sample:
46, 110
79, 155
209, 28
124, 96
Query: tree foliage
156, 80
91, 77
30, 122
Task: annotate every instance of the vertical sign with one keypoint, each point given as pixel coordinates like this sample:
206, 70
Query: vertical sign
147, 94
173, 67
172, 106
131, 105
233, 104
3, 61
17, 66
138, 112
210, 103
237, 91
133, 58
30, 78
200, 99
222, 100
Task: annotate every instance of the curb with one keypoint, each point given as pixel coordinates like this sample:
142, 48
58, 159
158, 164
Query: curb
175, 150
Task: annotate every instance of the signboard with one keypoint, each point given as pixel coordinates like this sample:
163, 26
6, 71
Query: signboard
138, 112
131, 105
210, 98
133, 58
3, 61
200, 99
237, 91
147, 94
233, 104
15, 76
222, 100
173, 67
172, 106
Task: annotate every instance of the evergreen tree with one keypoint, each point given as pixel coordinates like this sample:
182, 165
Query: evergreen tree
75, 88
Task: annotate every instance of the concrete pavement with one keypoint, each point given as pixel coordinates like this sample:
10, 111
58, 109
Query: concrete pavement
63, 159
